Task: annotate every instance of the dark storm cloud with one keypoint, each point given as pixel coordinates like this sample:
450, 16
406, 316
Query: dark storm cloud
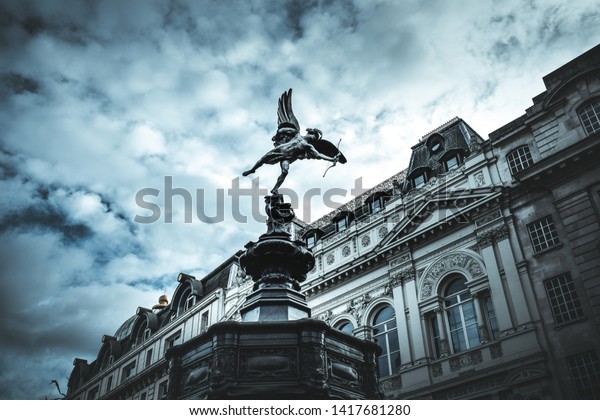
103, 98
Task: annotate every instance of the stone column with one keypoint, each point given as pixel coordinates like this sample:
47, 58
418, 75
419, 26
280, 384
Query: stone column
418, 342
445, 349
398, 295
512, 276
484, 334
498, 296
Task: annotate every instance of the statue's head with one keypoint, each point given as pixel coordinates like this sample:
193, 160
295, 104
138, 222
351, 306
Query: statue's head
286, 129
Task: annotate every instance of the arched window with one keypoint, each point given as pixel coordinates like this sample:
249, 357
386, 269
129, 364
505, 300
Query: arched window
460, 315
590, 116
142, 333
385, 333
345, 326
519, 159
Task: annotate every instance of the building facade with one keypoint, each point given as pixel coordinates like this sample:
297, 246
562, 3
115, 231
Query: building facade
476, 269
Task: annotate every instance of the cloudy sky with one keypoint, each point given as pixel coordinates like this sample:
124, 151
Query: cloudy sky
101, 99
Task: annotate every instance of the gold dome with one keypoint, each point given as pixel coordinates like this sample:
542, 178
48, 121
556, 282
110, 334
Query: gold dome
163, 301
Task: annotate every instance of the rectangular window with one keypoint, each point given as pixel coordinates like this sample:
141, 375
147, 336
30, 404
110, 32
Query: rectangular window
204, 322
585, 372
128, 371
148, 357
109, 383
143, 396
342, 224
451, 162
590, 117
147, 333
173, 340
519, 159
419, 180
543, 234
563, 299
93, 393
375, 206
190, 302
311, 241
163, 388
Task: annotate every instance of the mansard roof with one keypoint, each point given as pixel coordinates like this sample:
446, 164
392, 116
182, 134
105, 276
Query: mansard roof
453, 137
456, 136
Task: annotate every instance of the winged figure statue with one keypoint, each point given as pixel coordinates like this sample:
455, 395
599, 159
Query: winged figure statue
290, 145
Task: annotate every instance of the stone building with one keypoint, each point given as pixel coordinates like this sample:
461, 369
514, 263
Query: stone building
476, 269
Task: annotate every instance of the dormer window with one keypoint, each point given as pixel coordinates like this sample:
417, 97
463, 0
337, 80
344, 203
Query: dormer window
376, 205
435, 143
190, 302
452, 162
312, 236
419, 180
341, 225
343, 220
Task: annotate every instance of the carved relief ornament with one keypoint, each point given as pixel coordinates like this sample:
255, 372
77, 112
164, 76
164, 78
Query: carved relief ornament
457, 261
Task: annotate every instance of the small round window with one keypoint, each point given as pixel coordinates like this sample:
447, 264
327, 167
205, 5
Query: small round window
435, 143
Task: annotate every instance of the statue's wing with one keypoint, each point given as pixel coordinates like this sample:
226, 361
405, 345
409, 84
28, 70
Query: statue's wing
285, 114
329, 149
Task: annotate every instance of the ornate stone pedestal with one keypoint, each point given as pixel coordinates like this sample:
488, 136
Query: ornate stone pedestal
302, 359
277, 351
277, 265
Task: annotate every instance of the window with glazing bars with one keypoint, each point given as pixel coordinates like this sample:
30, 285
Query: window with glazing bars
543, 234
585, 372
563, 299
590, 117
519, 159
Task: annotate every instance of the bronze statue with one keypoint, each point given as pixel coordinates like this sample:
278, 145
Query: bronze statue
291, 146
